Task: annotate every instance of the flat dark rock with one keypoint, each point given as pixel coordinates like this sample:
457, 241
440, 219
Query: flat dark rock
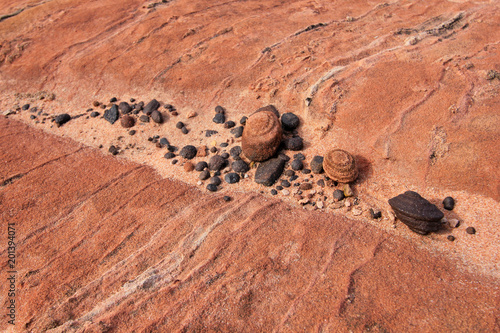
317, 164
295, 143
269, 171
112, 114
151, 106
157, 116
124, 107
62, 119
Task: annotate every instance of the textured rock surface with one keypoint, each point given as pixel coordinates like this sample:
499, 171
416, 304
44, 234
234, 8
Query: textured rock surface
123, 241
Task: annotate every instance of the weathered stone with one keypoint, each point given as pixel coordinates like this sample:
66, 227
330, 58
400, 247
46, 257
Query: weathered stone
269, 171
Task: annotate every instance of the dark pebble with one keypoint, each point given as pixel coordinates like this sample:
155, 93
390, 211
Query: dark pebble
216, 162
317, 164
151, 106
237, 131
96, 103
470, 230
169, 155
62, 119
289, 173
292, 178
184, 130
113, 150
35, 109
229, 124
213, 150
284, 157
285, 183
200, 166
232, 178
321, 183
95, 114
32, 116
172, 149
219, 109
157, 116
25, 107
451, 238
170, 107
289, 121
205, 174
175, 161
139, 106
235, 151
338, 195
306, 171
212, 187
179, 125
164, 142
124, 107
243, 120
103, 106
132, 100
111, 114
448, 203
113, 99
295, 143
269, 171
305, 186
224, 144
188, 152
240, 166
132, 132
227, 198
279, 188
215, 180
297, 165
209, 133
225, 155
219, 118
274, 192
217, 173
375, 214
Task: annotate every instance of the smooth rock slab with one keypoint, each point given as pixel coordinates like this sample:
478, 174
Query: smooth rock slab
269, 171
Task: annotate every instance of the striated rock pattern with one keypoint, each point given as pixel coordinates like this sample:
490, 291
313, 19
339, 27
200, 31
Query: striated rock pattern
417, 213
340, 166
261, 136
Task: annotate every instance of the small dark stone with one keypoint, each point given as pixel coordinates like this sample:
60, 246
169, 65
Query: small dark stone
297, 165
216, 163
127, 121
169, 155
225, 155
289, 173
179, 125
279, 188
306, 171
188, 152
213, 150
132, 100
227, 198
124, 107
172, 149
243, 120
132, 132
157, 116
224, 144
32, 116
338, 195
240, 166
237, 131
448, 203
274, 192
35, 109
184, 130
62, 119
321, 183
470, 230
113, 150
219, 109
217, 173
451, 238
235, 151
295, 143
103, 106
229, 124
139, 106
317, 164
269, 171
205, 174
175, 161
212, 187
96, 103
305, 186
151, 106
219, 118
25, 107
209, 133
292, 178
200, 166
232, 178
95, 114
215, 180
113, 99
164, 142
284, 157
375, 214
285, 183
112, 114
169, 107
289, 121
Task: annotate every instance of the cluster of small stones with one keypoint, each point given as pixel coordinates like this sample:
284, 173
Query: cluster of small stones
299, 178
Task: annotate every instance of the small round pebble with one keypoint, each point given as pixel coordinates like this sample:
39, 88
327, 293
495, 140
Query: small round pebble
188, 152
295, 143
274, 192
289, 173
243, 120
229, 124
184, 130
25, 107
240, 166
225, 155
157, 117
179, 125
113, 99
317, 164
227, 198
212, 187
219, 109
306, 171
216, 163
297, 165
164, 142
450, 238
224, 144
95, 114
232, 178
292, 178
132, 132
188, 166
338, 195
127, 121
237, 131
285, 183
305, 186
219, 118
204, 175
299, 156
215, 180
448, 203
169, 155
213, 150
200, 166
62, 119
279, 187
235, 151
175, 161
289, 121
321, 183
470, 230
